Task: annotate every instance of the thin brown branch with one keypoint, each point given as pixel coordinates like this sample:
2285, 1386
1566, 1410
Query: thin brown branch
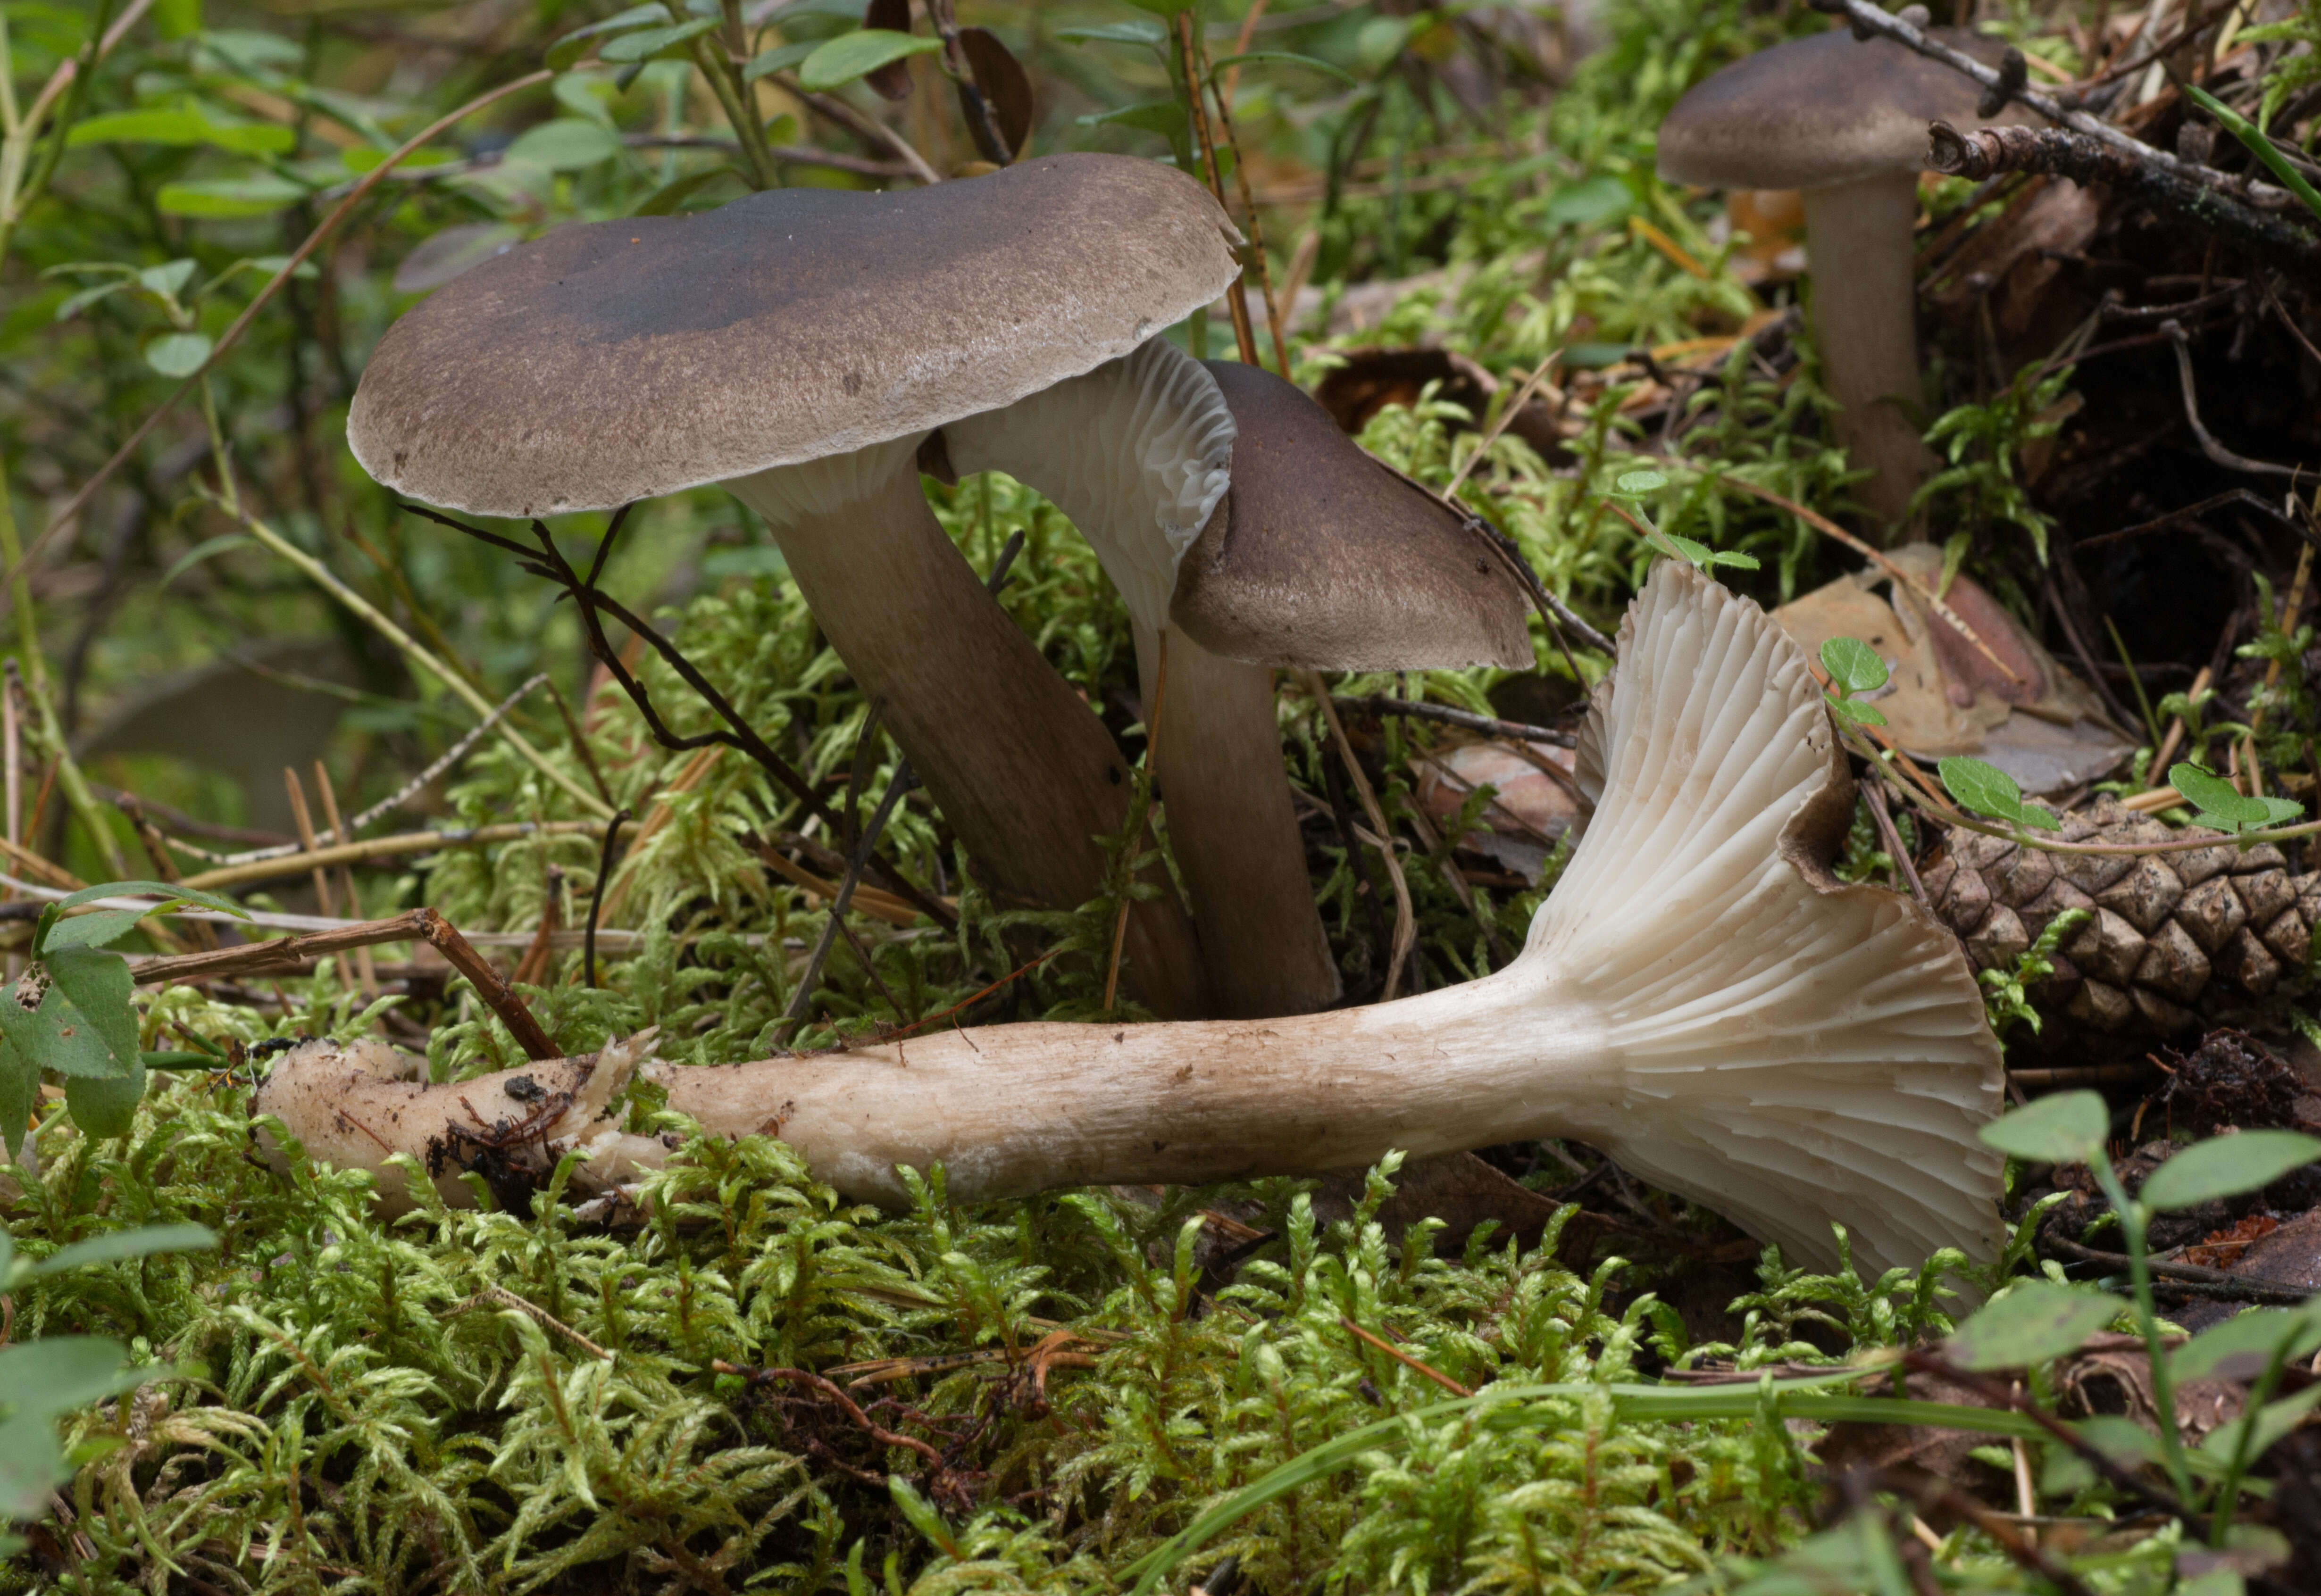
1403, 1358
1981, 153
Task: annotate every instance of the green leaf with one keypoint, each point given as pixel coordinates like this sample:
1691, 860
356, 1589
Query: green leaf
144, 1241
1582, 205
567, 144
105, 1108
1986, 790
2243, 1345
207, 548
2227, 1165
99, 986
181, 128
1853, 665
1637, 483
2066, 1128
169, 279
840, 62
575, 44
57, 1035
1164, 117
151, 889
1284, 58
646, 43
1853, 711
781, 58
664, 201
1151, 34
923, 1516
91, 930
2268, 1424
2035, 1322
2241, 128
42, 1381
178, 354
2223, 805
229, 198
20, 1092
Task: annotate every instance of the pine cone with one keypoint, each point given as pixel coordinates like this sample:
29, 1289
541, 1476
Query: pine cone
2211, 936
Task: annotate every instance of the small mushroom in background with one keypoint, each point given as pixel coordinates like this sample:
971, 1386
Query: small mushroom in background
1698, 997
1844, 121
2020, 711
797, 347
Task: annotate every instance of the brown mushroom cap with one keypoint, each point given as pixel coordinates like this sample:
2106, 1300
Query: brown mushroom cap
1322, 559
1823, 110
615, 360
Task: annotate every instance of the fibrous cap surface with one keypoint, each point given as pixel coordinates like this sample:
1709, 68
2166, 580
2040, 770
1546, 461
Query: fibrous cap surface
613, 361
1821, 111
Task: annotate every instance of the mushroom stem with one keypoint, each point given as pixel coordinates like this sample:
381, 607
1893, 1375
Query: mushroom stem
1698, 997
1136, 452
1024, 773
1235, 832
1865, 298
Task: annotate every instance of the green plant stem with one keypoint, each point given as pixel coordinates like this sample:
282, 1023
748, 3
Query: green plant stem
77, 795
410, 648
103, 35
2248, 133
715, 63
2135, 1221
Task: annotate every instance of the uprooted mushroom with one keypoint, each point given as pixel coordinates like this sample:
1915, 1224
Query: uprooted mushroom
1698, 997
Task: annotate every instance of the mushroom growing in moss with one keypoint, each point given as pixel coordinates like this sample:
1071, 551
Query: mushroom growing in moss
1698, 997
1844, 121
797, 347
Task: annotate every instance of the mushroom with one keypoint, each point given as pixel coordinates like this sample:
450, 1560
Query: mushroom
1317, 556
1698, 997
798, 346
1845, 122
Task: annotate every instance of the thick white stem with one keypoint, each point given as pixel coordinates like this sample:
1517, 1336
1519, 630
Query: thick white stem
1022, 770
1865, 298
1235, 832
1022, 1108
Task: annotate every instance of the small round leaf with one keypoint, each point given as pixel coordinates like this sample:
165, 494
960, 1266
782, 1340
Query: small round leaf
2066, 1128
2228, 1165
2035, 1322
1853, 664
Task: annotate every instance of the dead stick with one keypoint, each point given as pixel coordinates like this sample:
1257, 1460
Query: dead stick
800, 1377
1399, 1356
325, 903
1490, 725
1237, 296
1152, 772
446, 940
1224, 94
377, 848
1405, 923
364, 968
270, 957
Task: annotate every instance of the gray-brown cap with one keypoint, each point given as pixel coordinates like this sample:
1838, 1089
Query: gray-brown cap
1820, 111
613, 361
1321, 558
